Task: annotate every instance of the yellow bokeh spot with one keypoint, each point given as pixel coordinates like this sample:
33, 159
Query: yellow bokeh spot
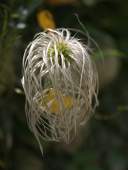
51, 100
45, 19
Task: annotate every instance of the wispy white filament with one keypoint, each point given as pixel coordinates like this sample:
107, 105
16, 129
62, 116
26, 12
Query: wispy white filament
57, 68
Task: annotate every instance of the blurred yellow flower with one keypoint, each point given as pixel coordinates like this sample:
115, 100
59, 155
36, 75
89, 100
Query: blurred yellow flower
50, 101
45, 19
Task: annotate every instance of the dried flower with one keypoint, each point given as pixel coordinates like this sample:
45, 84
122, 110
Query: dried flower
60, 84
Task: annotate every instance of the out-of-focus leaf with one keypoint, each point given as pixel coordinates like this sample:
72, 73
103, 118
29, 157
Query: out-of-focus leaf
4, 20
60, 2
116, 160
85, 160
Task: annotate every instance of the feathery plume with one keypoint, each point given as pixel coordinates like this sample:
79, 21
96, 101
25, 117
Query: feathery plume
60, 83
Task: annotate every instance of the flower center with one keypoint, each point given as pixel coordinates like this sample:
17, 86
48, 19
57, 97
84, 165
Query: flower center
62, 49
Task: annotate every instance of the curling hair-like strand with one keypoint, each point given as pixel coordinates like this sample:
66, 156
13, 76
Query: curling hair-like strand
60, 83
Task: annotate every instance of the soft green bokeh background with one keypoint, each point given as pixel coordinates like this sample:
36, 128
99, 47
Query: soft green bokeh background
103, 143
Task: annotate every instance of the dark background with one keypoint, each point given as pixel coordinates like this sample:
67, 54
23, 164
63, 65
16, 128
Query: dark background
103, 143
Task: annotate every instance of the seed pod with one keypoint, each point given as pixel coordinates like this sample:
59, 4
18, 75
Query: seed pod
60, 84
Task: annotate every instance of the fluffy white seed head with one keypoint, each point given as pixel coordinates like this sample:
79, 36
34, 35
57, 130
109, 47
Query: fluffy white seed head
60, 84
